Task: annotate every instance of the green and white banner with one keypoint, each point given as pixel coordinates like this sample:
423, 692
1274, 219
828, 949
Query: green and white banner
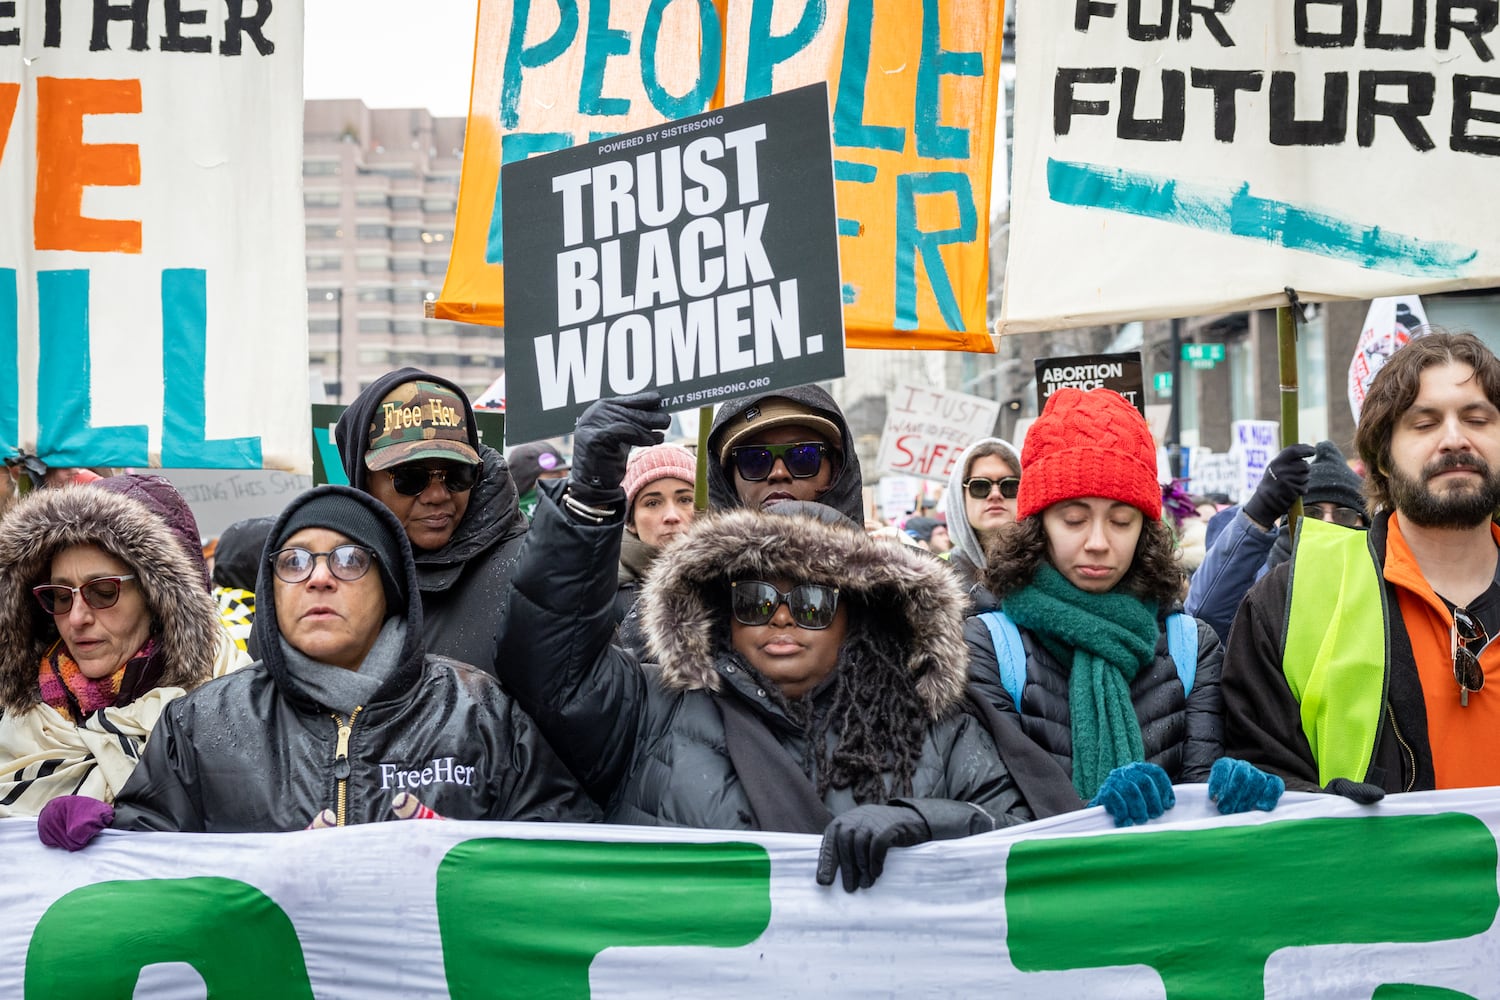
1320, 898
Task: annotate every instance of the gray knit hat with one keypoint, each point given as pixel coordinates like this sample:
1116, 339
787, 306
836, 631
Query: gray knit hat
1331, 479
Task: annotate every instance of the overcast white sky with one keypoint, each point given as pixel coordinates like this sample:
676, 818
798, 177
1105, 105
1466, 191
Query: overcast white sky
391, 53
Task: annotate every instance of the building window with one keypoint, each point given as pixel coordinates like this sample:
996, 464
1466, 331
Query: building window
406, 234
371, 325
407, 295
405, 203
323, 325
320, 168
406, 265
375, 295
372, 262
370, 199
321, 199
324, 232
324, 262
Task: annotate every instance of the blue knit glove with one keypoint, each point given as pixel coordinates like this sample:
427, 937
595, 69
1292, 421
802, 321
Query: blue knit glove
1134, 793
1239, 786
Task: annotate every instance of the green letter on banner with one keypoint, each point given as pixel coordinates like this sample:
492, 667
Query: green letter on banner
525, 918
95, 941
1142, 898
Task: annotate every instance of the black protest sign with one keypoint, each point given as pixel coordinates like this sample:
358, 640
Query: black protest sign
698, 258
1120, 372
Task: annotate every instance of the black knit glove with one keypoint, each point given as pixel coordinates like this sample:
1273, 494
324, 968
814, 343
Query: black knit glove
1362, 792
856, 842
1283, 484
602, 440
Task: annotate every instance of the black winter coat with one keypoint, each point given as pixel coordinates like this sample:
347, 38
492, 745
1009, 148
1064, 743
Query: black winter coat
1183, 735
256, 752
649, 743
463, 583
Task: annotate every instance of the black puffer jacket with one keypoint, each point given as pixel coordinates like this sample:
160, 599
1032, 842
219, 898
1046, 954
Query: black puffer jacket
845, 494
463, 583
1184, 735
255, 752
649, 742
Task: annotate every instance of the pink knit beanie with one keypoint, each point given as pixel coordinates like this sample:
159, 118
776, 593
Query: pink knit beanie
661, 461
1089, 444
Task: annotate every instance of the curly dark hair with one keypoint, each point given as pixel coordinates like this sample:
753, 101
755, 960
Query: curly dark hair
1155, 574
877, 719
1395, 389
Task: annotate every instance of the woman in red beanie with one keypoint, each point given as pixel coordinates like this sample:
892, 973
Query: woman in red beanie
1103, 692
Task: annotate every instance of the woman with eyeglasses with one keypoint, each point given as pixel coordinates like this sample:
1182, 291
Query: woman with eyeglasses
801, 676
1101, 693
979, 503
105, 618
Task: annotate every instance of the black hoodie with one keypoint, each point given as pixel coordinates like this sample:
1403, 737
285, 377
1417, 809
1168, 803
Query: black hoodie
846, 494
463, 583
258, 752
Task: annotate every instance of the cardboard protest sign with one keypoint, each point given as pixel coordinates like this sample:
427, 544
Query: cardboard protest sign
1120, 372
1320, 898
1185, 158
698, 258
1390, 323
1253, 443
915, 89
152, 283
927, 429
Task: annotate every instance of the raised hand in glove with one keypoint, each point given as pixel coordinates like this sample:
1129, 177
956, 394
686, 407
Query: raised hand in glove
1239, 786
856, 842
1362, 792
1133, 793
602, 439
1283, 484
72, 821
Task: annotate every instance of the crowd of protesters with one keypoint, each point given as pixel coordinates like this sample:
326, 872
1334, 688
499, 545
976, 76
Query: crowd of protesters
455, 635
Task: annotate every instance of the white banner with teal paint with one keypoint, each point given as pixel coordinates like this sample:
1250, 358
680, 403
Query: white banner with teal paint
153, 307
1189, 158
1320, 898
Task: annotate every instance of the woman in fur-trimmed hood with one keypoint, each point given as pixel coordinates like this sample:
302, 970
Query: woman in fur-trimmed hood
132, 627
805, 678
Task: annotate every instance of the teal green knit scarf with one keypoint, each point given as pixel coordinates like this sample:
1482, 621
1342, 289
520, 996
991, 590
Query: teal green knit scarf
1107, 638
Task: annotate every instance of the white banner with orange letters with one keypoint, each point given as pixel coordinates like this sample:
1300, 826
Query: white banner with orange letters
152, 286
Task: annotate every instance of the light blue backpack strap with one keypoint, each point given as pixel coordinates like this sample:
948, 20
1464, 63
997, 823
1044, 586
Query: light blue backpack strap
1182, 640
1009, 653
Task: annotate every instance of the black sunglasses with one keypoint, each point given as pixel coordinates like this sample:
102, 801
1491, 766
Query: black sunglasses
979, 487
346, 562
755, 461
99, 593
1344, 517
1467, 631
754, 602
411, 480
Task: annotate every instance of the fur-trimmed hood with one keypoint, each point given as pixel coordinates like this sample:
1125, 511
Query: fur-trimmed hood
684, 603
185, 617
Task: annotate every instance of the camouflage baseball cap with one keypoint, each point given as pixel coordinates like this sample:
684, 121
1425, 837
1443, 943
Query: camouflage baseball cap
419, 420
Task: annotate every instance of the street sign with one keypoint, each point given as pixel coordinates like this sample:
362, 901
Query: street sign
1209, 353
1162, 383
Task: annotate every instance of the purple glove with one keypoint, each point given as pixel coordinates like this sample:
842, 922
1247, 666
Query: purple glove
72, 821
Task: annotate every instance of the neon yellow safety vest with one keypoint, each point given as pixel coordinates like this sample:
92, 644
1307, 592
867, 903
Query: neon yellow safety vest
1336, 648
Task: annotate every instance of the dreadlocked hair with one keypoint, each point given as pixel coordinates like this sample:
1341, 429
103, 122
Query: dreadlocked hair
874, 722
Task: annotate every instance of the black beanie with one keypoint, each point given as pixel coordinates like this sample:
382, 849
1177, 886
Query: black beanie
332, 508
1332, 481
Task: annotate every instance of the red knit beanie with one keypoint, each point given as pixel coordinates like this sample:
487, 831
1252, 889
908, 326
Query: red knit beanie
1089, 444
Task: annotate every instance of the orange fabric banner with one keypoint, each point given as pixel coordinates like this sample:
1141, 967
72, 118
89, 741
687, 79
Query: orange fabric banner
914, 92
